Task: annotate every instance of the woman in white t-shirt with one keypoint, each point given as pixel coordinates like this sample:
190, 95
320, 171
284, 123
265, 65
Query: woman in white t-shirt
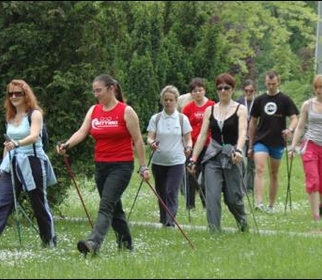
171, 144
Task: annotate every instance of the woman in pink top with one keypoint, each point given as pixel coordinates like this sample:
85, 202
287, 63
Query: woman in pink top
309, 133
115, 128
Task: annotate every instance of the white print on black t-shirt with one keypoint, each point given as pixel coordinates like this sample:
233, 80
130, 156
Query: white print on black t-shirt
270, 108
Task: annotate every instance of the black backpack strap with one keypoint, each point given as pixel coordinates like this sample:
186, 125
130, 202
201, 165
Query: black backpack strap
29, 120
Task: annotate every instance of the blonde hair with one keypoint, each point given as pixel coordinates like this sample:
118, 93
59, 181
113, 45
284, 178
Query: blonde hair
170, 89
317, 81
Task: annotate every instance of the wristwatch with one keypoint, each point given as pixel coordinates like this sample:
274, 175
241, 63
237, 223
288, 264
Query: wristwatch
16, 143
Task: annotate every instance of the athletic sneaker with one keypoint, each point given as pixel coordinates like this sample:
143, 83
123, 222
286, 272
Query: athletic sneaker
270, 209
259, 206
316, 218
88, 246
244, 227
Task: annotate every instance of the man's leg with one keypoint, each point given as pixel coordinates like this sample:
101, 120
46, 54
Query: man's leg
260, 162
273, 186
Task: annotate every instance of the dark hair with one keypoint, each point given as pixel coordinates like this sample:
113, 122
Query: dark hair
197, 82
225, 78
249, 82
109, 81
272, 74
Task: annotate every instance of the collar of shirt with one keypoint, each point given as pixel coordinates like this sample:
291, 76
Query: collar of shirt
174, 115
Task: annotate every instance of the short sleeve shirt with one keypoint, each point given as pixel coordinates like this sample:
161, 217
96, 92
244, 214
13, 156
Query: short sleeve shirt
169, 133
272, 112
195, 115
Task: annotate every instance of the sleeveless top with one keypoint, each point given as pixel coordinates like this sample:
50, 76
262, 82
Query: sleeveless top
21, 131
229, 132
314, 126
113, 142
22, 153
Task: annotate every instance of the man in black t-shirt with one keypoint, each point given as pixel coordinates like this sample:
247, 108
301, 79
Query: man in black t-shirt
268, 135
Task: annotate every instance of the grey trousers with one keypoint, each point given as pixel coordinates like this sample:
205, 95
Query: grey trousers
112, 179
227, 181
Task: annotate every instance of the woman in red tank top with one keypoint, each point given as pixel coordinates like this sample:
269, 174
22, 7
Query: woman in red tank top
115, 128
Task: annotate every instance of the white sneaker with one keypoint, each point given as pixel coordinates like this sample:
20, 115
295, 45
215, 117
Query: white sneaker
259, 206
270, 209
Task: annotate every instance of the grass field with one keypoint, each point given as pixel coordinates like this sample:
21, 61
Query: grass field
282, 245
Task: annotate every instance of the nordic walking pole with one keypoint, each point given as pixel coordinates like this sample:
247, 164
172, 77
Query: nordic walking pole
200, 188
137, 193
78, 192
168, 211
26, 216
288, 189
16, 203
187, 192
15, 198
248, 199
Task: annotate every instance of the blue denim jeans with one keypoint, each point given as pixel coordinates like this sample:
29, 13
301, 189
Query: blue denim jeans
112, 178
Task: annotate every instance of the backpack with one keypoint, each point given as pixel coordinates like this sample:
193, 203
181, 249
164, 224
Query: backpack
159, 116
43, 134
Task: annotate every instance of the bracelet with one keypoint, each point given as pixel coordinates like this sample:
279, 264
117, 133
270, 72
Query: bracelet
188, 148
191, 163
15, 143
142, 169
238, 151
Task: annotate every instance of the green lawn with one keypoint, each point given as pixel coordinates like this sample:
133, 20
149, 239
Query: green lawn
286, 244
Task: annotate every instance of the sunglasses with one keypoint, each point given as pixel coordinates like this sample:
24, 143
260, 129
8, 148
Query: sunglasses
225, 88
16, 94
